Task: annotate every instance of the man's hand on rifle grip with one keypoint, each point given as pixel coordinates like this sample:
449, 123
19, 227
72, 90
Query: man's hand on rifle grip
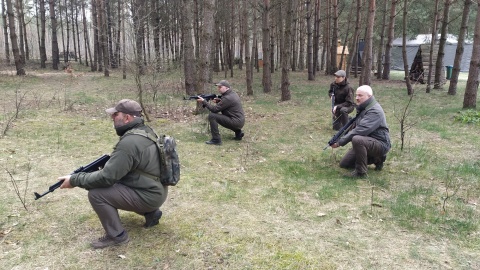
66, 181
335, 145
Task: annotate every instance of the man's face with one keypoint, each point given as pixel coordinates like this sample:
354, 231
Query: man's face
339, 79
361, 97
119, 119
222, 89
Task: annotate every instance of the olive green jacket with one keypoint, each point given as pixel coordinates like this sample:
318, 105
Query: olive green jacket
131, 152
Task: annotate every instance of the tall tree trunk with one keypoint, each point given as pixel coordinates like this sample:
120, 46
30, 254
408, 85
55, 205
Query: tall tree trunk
246, 43
255, 38
21, 36
53, 25
301, 38
95, 63
310, 67
267, 77
391, 36
13, 38
5, 33
88, 52
471, 89
138, 15
404, 49
103, 38
76, 35
452, 89
66, 51
441, 47
286, 51
189, 57
332, 68
382, 40
109, 35
355, 39
43, 50
205, 46
316, 37
368, 52
432, 44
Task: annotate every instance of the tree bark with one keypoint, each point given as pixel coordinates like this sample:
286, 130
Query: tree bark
311, 75
19, 65
43, 50
286, 52
189, 57
432, 44
5, 33
366, 78
267, 77
404, 49
246, 43
333, 67
53, 22
205, 46
382, 41
471, 89
437, 84
452, 88
391, 36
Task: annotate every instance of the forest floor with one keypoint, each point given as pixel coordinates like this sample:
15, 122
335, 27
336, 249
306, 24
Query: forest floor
275, 200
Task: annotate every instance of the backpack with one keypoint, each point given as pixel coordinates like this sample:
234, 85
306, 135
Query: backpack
169, 161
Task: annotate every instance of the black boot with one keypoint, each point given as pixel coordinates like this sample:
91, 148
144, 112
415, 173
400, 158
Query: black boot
238, 135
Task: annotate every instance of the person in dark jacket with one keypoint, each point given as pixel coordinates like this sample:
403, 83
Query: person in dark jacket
227, 112
341, 93
369, 136
120, 184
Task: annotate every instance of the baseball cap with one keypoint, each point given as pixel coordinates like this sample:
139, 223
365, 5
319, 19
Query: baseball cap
223, 83
340, 73
127, 106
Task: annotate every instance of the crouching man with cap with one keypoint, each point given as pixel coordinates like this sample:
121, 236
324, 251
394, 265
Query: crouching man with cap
227, 112
123, 182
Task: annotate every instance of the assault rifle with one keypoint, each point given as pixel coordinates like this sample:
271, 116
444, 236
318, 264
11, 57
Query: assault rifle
207, 97
94, 166
340, 133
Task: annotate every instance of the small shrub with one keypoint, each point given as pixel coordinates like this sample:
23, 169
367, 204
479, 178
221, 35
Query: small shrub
468, 117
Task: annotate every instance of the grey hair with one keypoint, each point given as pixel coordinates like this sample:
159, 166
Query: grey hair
366, 89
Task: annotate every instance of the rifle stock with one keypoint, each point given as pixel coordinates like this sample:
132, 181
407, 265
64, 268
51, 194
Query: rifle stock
340, 133
93, 166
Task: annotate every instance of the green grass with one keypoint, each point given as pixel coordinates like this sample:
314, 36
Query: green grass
275, 200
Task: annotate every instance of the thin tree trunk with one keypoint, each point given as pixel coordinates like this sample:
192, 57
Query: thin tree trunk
388, 46
301, 38
246, 43
5, 33
404, 49
332, 68
53, 23
103, 38
189, 58
43, 50
21, 36
452, 89
471, 89
267, 77
382, 41
13, 38
311, 75
432, 44
286, 52
354, 53
88, 52
441, 47
368, 52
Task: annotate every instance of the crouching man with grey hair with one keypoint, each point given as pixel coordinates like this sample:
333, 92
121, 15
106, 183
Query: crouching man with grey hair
369, 136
